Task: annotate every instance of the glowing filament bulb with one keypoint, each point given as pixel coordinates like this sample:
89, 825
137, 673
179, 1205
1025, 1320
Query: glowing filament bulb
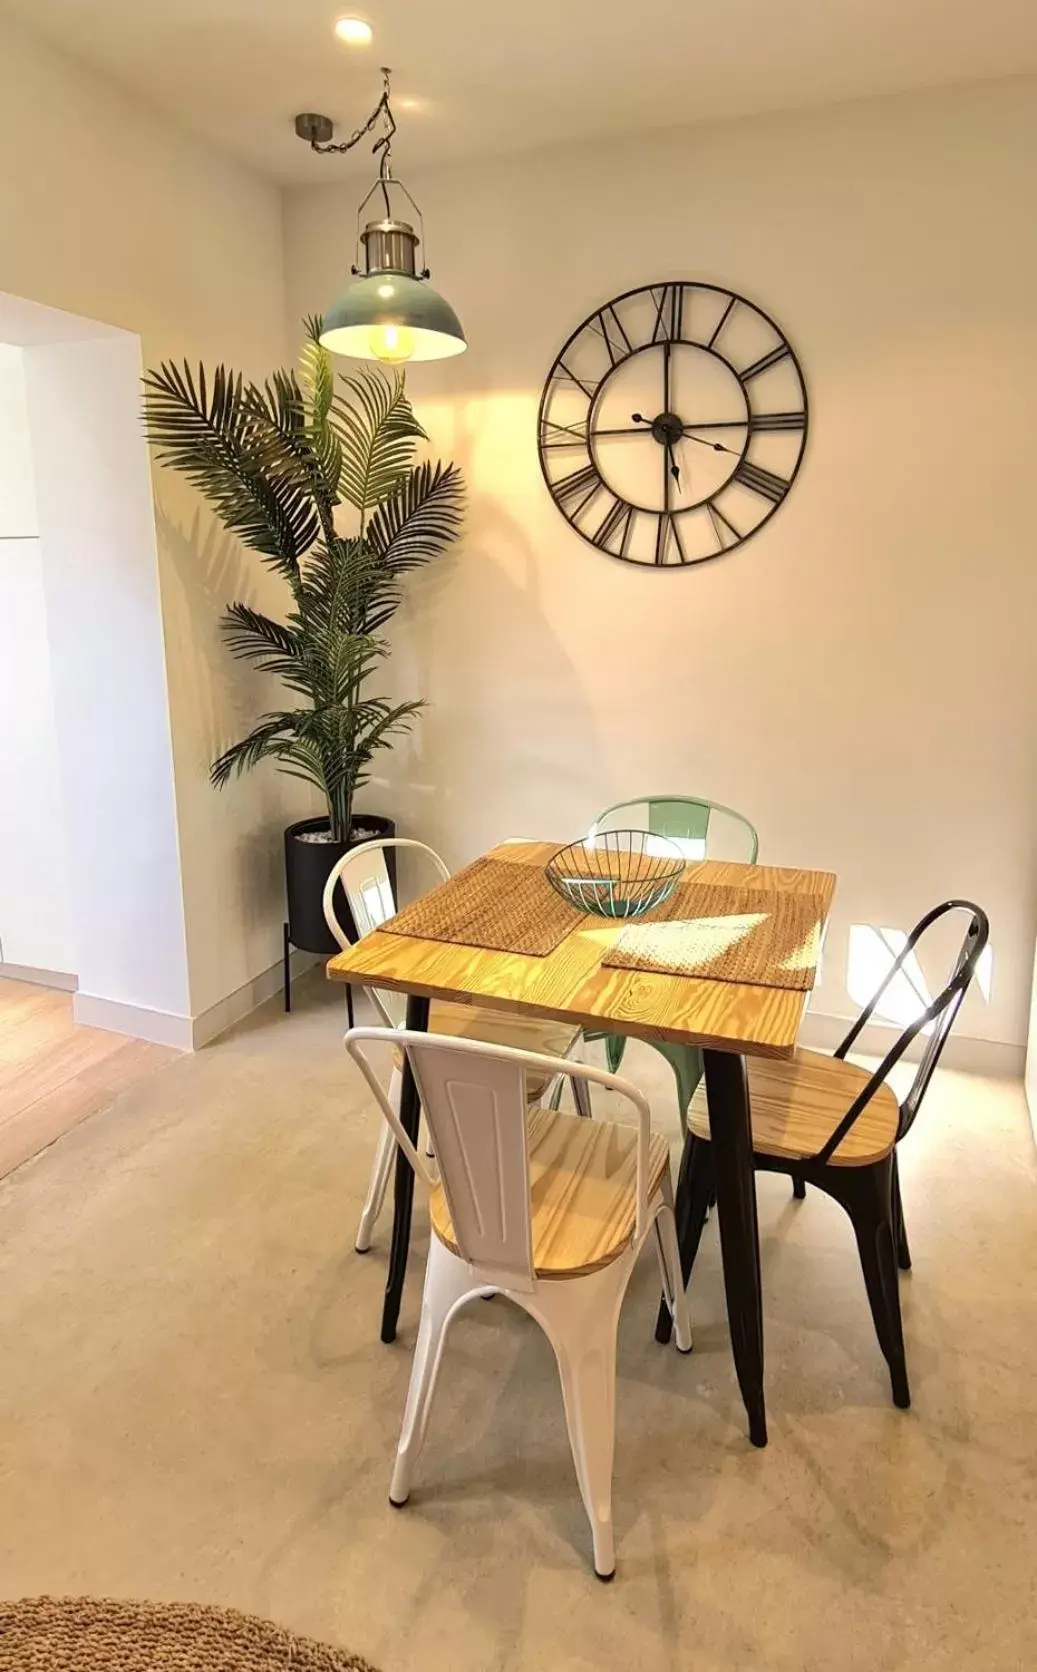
392, 343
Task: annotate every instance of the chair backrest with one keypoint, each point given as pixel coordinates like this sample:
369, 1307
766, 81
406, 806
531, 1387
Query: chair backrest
368, 889
473, 1096
701, 829
938, 1017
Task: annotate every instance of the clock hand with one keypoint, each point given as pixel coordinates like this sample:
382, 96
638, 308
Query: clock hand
717, 446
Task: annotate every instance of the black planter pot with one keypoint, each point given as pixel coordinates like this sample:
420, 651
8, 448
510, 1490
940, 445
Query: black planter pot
307, 866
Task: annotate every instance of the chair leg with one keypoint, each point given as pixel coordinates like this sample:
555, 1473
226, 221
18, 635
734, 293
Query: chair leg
686, 1062
867, 1195
580, 1319
669, 1253
380, 1172
695, 1191
287, 946
903, 1250
582, 1097
448, 1284
799, 1187
615, 1045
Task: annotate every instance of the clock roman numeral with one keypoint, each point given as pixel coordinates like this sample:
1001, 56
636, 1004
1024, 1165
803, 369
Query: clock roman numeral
562, 370
581, 486
554, 435
764, 482
620, 517
616, 340
668, 528
722, 321
720, 522
765, 362
669, 313
763, 421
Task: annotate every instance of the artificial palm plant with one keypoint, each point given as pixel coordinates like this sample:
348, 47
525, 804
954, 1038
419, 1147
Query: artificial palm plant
275, 461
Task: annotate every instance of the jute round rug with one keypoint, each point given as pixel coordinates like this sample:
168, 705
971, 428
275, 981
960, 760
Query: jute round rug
91, 1634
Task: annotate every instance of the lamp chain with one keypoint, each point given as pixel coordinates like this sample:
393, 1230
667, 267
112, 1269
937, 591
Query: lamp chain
382, 108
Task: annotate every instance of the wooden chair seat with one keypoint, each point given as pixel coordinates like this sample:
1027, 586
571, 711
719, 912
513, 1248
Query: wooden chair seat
503, 1027
797, 1104
582, 1175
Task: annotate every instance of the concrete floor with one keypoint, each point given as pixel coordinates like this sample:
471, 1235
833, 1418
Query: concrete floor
194, 1403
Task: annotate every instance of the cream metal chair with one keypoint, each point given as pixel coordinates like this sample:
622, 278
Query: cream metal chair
369, 892
544, 1208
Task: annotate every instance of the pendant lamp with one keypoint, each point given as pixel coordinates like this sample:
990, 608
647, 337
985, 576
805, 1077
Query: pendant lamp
390, 312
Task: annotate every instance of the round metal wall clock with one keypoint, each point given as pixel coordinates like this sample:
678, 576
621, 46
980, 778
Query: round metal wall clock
673, 424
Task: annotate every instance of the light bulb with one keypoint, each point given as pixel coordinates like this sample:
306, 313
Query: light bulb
354, 31
391, 343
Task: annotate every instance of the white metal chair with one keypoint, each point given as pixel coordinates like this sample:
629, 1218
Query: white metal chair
545, 1208
368, 889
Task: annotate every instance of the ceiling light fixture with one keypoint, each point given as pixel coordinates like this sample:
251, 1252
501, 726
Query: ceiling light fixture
391, 312
354, 31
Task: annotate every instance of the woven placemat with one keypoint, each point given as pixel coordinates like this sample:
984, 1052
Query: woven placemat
720, 933
494, 904
95, 1634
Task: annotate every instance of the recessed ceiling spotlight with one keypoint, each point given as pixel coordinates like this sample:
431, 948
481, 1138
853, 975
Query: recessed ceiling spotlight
354, 31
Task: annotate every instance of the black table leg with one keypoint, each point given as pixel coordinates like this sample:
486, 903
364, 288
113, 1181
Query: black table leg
727, 1092
403, 1189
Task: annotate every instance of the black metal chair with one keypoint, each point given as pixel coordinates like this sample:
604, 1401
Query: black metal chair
828, 1123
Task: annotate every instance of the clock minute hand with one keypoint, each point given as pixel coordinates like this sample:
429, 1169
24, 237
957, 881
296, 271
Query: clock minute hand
717, 446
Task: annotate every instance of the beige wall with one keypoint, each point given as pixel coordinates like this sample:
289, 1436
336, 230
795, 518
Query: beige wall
860, 678
110, 212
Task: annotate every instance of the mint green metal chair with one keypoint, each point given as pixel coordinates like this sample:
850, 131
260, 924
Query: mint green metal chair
702, 830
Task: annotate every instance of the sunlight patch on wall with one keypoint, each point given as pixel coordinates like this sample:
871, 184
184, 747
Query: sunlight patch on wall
870, 957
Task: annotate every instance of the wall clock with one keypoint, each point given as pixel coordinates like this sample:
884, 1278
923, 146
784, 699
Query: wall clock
672, 424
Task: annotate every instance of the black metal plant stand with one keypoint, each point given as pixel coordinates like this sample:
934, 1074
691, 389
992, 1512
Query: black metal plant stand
288, 978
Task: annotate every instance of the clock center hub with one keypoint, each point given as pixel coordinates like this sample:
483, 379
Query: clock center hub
667, 429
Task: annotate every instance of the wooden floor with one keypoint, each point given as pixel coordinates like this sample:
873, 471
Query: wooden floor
54, 1073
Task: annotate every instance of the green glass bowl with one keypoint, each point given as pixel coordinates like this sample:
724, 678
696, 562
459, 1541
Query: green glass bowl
618, 873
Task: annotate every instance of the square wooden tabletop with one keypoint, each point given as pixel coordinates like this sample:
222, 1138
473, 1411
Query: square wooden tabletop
571, 985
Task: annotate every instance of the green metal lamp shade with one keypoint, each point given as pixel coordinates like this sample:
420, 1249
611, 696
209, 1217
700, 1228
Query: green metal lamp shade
387, 308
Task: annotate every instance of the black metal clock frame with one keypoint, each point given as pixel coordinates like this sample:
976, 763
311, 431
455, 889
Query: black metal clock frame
573, 492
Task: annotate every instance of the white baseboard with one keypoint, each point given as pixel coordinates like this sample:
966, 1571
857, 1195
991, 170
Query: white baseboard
186, 1033
61, 982
975, 1056
237, 1005
160, 1027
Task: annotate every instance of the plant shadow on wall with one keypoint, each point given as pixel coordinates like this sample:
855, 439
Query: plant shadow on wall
212, 695
275, 462
211, 566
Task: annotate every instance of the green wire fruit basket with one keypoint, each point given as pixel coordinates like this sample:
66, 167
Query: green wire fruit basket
617, 873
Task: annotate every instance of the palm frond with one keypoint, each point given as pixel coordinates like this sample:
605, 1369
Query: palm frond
250, 634
215, 435
273, 459
316, 372
377, 431
261, 741
421, 518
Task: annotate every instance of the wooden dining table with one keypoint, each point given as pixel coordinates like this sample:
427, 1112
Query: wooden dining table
726, 1019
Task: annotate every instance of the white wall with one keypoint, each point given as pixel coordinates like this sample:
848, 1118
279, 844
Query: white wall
859, 679
112, 213
100, 575
35, 918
